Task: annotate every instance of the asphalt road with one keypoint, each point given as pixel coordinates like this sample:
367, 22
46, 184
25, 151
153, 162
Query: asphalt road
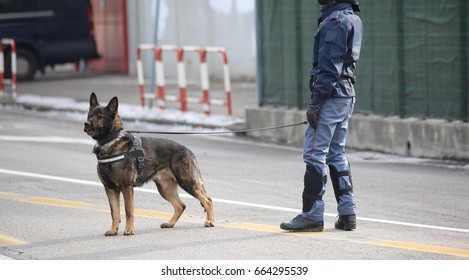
53, 207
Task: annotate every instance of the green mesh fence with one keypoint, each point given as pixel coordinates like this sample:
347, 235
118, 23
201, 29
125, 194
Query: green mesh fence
414, 59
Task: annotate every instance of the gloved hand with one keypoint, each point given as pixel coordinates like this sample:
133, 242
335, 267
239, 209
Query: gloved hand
312, 114
311, 84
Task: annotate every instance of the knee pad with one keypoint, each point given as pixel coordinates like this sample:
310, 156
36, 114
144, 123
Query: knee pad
314, 183
340, 188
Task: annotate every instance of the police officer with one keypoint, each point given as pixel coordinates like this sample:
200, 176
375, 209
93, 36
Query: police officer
337, 44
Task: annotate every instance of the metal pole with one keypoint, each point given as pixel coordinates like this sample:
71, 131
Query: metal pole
155, 42
300, 78
401, 59
464, 68
259, 58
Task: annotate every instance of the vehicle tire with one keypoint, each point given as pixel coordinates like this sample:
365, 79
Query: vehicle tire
26, 64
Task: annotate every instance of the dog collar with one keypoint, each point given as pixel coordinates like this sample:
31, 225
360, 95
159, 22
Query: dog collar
110, 137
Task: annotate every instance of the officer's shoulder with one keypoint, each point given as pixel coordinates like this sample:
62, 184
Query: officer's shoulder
340, 15
343, 17
334, 15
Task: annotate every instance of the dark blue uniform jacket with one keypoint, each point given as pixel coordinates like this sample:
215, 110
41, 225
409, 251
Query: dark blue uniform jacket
337, 44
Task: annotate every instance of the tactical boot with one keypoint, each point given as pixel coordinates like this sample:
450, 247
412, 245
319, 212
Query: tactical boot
346, 222
302, 224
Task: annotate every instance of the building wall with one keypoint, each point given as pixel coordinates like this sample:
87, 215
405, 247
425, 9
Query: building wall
110, 29
224, 23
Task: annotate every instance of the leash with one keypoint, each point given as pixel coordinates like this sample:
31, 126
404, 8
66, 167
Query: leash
218, 132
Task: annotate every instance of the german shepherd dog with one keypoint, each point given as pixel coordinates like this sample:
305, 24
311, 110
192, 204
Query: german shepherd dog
126, 161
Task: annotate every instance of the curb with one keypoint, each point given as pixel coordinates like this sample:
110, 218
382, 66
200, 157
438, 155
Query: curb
43, 108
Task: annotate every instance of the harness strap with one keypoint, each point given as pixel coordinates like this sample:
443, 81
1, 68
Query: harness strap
137, 152
129, 155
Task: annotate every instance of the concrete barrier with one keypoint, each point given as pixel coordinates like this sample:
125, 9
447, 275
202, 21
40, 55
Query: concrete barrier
267, 117
407, 137
410, 136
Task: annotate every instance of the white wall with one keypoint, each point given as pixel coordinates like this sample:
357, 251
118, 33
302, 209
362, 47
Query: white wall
224, 23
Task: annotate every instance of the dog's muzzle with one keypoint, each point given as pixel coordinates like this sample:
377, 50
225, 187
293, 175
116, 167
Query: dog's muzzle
88, 128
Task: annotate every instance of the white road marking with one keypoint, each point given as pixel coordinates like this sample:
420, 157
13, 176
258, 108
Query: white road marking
42, 139
248, 204
48, 177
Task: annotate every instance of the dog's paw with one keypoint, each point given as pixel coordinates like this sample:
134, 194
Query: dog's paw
166, 225
209, 224
129, 232
110, 232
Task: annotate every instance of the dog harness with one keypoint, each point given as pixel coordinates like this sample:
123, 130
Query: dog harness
136, 152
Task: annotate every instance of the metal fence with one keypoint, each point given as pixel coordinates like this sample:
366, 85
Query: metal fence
414, 59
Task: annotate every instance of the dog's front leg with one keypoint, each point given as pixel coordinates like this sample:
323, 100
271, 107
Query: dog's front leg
128, 193
114, 204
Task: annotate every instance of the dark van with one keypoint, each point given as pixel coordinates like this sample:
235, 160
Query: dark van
47, 32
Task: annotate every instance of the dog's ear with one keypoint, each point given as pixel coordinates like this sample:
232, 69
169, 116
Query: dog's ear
113, 105
93, 100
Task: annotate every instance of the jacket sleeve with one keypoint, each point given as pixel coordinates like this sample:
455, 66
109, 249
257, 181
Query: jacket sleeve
332, 52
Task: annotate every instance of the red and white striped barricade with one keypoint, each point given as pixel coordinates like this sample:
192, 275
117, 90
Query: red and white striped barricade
226, 79
204, 78
160, 95
4, 81
181, 74
141, 82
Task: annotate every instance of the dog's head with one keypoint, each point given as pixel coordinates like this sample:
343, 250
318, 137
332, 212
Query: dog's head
102, 120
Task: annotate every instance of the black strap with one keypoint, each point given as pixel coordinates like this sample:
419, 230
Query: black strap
137, 152
134, 154
343, 173
344, 192
311, 196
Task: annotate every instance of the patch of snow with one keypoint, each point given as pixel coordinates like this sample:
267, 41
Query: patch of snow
130, 112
